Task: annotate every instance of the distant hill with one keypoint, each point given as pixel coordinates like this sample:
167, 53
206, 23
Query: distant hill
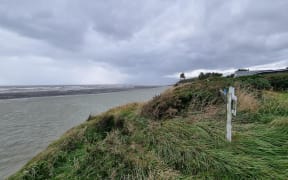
179, 134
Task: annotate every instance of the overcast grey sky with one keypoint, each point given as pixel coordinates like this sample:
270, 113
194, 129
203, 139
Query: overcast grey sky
137, 41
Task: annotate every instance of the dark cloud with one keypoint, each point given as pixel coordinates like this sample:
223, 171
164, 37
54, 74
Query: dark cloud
43, 25
142, 41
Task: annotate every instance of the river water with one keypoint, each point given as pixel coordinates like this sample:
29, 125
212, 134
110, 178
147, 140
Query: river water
28, 126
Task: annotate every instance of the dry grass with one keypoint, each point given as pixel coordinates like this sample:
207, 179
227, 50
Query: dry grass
280, 122
127, 107
209, 112
247, 101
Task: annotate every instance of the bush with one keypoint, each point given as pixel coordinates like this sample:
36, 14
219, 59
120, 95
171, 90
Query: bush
260, 83
278, 81
207, 75
256, 82
100, 128
106, 124
190, 80
176, 102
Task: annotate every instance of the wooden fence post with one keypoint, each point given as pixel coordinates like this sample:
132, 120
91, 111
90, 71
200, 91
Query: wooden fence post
229, 115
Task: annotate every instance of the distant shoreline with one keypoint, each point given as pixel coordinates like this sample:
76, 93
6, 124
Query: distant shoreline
19, 95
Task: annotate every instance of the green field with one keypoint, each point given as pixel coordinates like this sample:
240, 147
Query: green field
178, 135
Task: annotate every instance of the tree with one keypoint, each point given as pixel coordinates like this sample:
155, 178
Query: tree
201, 76
182, 76
209, 74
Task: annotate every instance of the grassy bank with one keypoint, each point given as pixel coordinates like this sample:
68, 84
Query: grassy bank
177, 135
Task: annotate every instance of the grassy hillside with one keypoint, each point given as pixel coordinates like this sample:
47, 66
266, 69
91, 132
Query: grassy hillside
177, 135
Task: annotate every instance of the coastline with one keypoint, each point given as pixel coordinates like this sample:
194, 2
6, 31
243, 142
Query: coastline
49, 93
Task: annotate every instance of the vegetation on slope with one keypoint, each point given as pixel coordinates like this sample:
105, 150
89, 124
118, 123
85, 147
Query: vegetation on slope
177, 135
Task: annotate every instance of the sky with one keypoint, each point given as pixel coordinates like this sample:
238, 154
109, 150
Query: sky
137, 41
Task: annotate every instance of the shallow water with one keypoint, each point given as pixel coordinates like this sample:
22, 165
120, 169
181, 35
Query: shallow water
28, 126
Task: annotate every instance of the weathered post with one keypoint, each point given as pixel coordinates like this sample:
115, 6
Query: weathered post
229, 116
231, 109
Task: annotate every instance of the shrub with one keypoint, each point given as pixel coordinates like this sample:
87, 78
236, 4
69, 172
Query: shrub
106, 124
256, 82
207, 75
278, 81
176, 102
99, 129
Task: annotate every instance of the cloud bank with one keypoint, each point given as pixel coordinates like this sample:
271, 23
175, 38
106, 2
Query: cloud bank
137, 42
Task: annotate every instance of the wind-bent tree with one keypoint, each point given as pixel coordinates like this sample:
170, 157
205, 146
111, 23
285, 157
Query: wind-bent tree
182, 76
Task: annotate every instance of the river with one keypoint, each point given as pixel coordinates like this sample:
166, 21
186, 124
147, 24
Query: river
28, 126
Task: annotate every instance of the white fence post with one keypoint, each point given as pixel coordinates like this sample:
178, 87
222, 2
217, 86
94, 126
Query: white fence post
231, 110
229, 115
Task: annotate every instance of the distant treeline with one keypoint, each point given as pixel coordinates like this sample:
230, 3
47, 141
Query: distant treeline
201, 76
275, 81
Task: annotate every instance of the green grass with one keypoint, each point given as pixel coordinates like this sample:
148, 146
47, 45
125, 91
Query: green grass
134, 142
